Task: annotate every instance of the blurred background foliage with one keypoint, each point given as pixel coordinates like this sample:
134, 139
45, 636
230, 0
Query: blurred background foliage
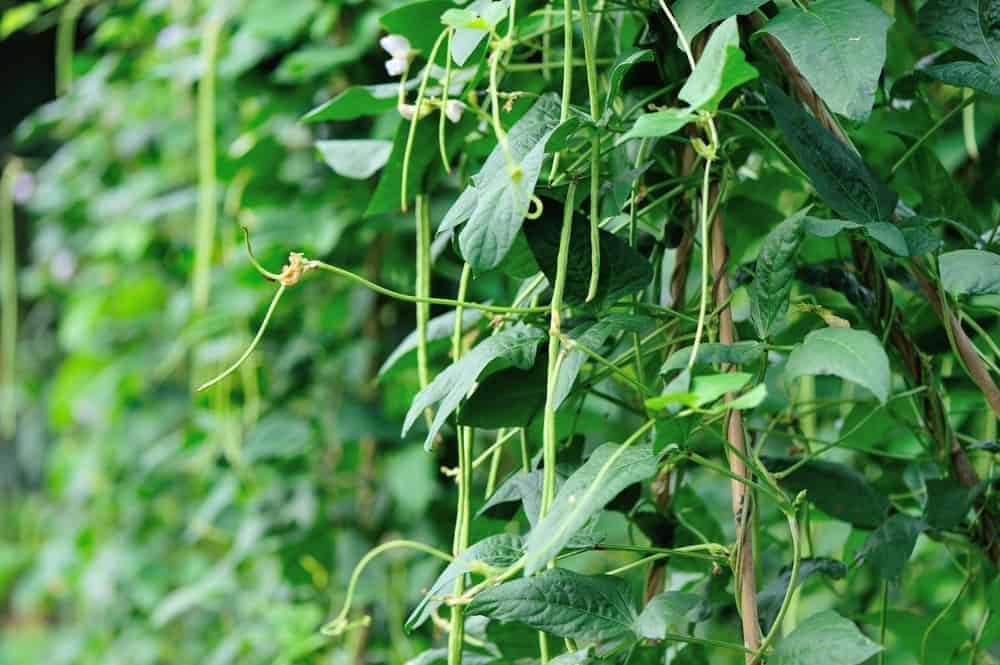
140, 523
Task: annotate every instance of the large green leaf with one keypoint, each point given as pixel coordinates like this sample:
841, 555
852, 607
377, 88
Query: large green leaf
591, 336
591, 608
971, 25
947, 503
516, 344
839, 46
623, 270
355, 158
970, 272
721, 68
838, 174
824, 639
499, 551
837, 490
494, 205
853, 355
440, 327
693, 16
889, 547
775, 271
609, 469
770, 598
418, 21
523, 392
670, 611
975, 75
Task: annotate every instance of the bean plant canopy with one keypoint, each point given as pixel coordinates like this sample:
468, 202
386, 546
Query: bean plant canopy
508, 331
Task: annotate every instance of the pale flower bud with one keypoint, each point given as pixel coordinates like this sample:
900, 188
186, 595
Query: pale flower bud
396, 66
396, 45
453, 110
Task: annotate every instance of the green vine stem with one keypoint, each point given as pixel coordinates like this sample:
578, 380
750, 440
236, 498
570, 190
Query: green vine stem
793, 580
589, 48
207, 179
422, 288
442, 116
339, 624
8, 301
65, 38
567, 82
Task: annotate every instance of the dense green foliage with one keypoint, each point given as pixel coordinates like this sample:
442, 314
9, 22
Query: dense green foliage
618, 330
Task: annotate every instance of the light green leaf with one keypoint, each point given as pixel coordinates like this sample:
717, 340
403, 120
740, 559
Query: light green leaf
590, 608
837, 490
722, 68
356, 102
748, 400
499, 202
440, 327
358, 159
775, 271
693, 16
970, 272
516, 344
853, 355
712, 353
839, 46
609, 469
889, 547
702, 390
838, 174
670, 611
499, 551
824, 639
971, 25
657, 124
592, 336
975, 75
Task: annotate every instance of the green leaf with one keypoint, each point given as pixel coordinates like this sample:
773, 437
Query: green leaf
824, 639
775, 271
947, 503
591, 608
356, 102
975, 75
657, 124
499, 551
670, 611
609, 469
592, 336
516, 344
485, 14
970, 272
693, 16
837, 490
523, 396
748, 400
722, 68
889, 547
525, 488
358, 159
418, 21
971, 25
839, 46
888, 235
702, 390
440, 327
623, 270
386, 197
495, 208
838, 174
769, 600
621, 68
853, 355
712, 353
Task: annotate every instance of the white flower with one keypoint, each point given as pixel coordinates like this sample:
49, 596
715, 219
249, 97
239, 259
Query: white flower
396, 66
453, 109
399, 48
406, 110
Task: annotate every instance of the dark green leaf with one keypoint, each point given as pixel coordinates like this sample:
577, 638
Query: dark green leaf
769, 600
975, 75
609, 469
838, 174
621, 68
520, 487
419, 22
853, 355
837, 490
947, 503
516, 344
839, 46
440, 327
522, 395
824, 639
712, 353
693, 16
888, 548
971, 25
970, 272
592, 608
775, 270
